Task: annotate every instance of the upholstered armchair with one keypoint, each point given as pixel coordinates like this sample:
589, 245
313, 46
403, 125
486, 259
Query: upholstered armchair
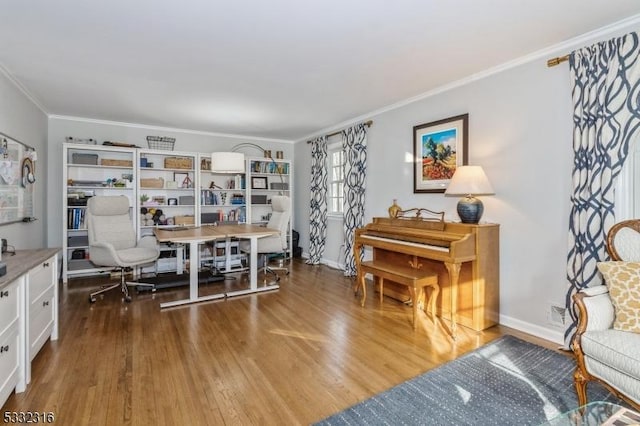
607, 341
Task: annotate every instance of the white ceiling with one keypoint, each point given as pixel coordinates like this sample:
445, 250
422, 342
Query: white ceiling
282, 69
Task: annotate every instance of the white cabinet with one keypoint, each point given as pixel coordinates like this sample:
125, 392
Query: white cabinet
223, 197
267, 177
166, 197
42, 300
165, 188
90, 170
28, 314
10, 351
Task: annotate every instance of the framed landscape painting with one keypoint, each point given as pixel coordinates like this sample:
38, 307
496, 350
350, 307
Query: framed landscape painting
439, 148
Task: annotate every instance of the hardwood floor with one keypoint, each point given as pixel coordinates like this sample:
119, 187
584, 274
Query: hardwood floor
293, 356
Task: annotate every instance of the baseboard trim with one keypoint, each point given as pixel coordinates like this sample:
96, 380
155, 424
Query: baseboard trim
555, 336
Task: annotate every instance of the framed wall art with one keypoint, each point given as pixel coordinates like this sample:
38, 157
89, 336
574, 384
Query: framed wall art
439, 148
259, 183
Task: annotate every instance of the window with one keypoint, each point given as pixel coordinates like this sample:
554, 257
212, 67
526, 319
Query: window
627, 190
335, 197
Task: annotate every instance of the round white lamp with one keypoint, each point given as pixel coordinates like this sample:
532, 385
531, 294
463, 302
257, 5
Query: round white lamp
469, 181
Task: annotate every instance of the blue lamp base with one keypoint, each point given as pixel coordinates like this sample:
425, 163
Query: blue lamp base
470, 209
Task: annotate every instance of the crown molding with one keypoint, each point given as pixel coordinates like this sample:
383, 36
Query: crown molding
165, 129
22, 89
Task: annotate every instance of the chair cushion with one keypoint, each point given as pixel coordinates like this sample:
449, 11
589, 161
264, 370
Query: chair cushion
617, 349
623, 281
137, 256
627, 244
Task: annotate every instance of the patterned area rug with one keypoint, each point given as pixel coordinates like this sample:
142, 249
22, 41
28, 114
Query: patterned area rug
506, 382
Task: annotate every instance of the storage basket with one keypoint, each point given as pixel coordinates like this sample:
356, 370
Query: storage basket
152, 183
91, 159
117, 163
178, 163
184, 220
161, 142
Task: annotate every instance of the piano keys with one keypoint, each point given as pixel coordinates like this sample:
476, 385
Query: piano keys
465, 257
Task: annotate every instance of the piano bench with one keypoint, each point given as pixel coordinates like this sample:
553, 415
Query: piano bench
414, 279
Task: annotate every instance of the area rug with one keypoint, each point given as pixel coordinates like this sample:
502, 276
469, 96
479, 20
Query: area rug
506, 382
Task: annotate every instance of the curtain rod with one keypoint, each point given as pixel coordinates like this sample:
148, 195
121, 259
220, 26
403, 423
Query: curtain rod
367, 123
29, 147
557, 60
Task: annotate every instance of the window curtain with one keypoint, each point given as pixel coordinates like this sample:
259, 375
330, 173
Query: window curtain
606, 98
318, 203
354, 144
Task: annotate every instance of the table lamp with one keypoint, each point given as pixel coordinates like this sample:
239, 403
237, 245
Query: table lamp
233, 161
469, 181
227, 162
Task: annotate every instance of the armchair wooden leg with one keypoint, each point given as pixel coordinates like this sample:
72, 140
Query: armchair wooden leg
581, 386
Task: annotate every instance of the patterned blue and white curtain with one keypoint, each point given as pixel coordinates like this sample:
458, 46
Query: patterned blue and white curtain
354, 144
606, 99
318, 204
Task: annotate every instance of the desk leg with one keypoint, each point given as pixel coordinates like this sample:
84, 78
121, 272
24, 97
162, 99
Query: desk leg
227, 254
194, 266
253, 273
194, 263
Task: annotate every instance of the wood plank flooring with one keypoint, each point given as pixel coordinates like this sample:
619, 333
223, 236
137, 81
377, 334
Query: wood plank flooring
293, 356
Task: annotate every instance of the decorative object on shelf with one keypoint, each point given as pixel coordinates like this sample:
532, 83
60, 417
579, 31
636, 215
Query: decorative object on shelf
85, 141
394, 209
470, 181
279, 155
258, 182
172, 201
439, 148
181, 178
162, 143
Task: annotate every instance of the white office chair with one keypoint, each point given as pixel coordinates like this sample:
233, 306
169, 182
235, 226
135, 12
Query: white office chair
274, 244
112, 241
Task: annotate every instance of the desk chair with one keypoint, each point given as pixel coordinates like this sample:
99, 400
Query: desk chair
274, 244
112, 241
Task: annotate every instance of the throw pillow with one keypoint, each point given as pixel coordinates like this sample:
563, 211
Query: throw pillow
623, 281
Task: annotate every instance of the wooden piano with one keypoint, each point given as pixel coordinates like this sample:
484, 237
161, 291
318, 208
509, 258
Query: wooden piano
465, 257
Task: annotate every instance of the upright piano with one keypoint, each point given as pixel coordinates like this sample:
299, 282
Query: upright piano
465, 257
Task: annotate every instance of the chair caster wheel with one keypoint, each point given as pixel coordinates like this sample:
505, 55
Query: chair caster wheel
92, 299
127, 299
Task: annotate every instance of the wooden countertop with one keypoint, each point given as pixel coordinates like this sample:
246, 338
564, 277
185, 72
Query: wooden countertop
23, 261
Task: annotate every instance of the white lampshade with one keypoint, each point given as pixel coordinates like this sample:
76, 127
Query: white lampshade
227, 162
469, 180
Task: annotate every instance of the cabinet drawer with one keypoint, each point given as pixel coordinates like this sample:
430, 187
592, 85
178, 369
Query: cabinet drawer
8, 362
8, 305
40, 322
40, 277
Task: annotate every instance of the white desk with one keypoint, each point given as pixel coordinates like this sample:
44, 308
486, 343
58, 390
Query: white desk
195, 236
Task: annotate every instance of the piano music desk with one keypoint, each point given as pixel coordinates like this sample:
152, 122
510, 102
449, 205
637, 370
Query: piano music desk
414, 279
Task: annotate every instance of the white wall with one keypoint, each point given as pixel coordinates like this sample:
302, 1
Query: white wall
23, 120
520, 131
59, 128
